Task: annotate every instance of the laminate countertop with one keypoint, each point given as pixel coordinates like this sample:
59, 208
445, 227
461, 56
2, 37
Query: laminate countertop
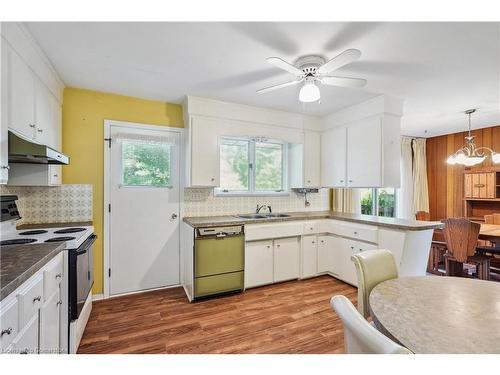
19, 262
388, 222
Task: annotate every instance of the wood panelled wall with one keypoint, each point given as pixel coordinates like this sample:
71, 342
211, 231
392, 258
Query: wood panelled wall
446, 181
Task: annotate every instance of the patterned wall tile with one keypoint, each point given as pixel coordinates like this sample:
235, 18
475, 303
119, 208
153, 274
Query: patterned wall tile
202, 202
41, 204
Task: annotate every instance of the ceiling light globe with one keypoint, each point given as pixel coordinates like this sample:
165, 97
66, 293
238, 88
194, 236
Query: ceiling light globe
309, 93
460, 158
451, 160
495, 157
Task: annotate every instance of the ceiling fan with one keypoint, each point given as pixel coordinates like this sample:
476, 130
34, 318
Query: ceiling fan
312, 69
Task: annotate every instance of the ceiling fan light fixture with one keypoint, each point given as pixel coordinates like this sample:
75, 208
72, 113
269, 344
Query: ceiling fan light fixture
309, 92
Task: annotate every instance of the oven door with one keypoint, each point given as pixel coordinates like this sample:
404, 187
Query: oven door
81, 276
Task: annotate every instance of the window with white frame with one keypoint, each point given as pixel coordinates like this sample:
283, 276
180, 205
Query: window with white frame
379, 202
252, 166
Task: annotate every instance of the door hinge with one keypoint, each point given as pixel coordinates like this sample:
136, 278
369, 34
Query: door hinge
109, 272
109, 207
109, 141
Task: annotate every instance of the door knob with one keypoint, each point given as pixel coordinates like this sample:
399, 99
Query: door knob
174, 216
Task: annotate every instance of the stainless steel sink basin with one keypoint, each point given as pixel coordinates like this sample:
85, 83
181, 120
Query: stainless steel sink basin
276, 215
252, 216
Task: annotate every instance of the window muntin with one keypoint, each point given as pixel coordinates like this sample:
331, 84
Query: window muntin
146, 164
252, 166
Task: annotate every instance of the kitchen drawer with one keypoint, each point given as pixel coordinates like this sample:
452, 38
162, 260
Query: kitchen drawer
8, 323
255, 232
27, 340
330, 226
360, 232
52, 276
311, 227
210, 285
30, 299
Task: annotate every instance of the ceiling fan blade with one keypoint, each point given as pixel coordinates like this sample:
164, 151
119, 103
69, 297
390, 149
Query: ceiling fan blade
346, 57
343, 81
281, 85
282, 64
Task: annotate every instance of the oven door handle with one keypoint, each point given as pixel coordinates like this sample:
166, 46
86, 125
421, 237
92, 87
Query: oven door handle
85, 246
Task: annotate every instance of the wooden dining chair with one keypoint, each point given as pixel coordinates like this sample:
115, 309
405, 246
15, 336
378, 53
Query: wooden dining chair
360, 337
461, 237
423, 216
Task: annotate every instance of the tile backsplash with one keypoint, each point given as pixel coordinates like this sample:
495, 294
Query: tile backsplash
41, 204
202, 202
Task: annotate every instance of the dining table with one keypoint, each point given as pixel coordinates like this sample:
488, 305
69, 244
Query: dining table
439, 314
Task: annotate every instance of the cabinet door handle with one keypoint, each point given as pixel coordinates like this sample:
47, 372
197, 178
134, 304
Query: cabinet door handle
7, 331
56, 175
39, 130
212, 179
38, 298
6, 167
32, 125
59, 302
58, 276
350, 180
355, 232
479, 185
313, 242
268, 246
174, 216
278, 245
342, 181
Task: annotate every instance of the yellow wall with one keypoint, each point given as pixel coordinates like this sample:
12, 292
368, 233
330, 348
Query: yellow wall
84, 112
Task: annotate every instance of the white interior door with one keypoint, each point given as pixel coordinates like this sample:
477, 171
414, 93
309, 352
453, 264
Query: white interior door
144, 218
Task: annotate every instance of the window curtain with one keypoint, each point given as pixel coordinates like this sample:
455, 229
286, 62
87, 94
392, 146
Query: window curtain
413, 193
405, 194
346, 200
420, 187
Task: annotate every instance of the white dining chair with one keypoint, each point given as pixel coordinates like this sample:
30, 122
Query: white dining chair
360, 337
372, 267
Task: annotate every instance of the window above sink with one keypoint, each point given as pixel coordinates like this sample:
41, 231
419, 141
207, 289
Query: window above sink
252, 166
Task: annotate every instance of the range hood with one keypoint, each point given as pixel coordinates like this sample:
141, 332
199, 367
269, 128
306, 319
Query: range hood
24, 150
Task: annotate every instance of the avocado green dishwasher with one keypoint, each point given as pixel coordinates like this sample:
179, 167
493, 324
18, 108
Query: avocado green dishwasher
219, 261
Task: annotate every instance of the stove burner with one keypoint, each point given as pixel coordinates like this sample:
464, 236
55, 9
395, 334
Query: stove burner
69, 230
33, 232
60, 239
19, 241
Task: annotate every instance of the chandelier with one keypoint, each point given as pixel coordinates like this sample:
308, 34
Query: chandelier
470, 154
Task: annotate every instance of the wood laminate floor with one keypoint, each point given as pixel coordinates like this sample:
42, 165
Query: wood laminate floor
291, 317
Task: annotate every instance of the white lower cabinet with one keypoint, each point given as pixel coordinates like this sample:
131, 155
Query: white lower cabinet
348, 270
50, 318
30, 317
271, 261
27, 340
258, 263
309, 258
286, 259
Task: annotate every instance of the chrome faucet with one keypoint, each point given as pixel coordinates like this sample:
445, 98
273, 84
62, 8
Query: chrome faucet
263, 206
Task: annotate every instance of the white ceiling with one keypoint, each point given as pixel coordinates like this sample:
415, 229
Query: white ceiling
440, 69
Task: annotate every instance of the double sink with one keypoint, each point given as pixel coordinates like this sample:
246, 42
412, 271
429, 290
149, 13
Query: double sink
262, 216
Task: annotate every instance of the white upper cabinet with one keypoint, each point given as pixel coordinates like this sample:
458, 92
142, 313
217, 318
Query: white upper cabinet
364, 154
202, 167
304, 161
20, 96
312, 159
333, 157
47, 117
